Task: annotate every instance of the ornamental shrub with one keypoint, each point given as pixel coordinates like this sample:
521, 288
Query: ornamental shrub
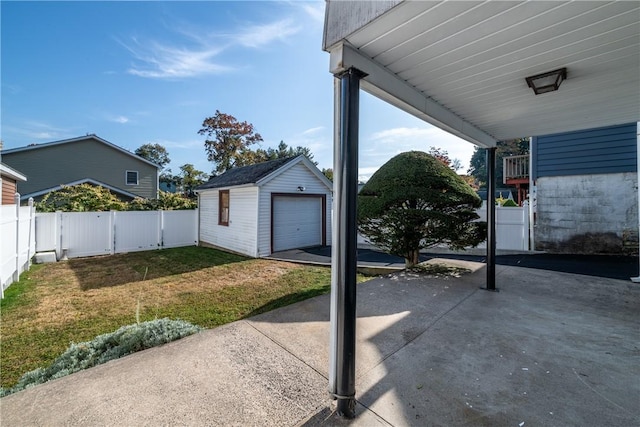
413, 202
103, 348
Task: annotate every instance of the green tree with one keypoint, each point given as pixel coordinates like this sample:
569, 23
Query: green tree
478, 163
328, 173
414, 202
283, 151
189, 178
228, 141
80, 198
155, 153
159, 155
166, 201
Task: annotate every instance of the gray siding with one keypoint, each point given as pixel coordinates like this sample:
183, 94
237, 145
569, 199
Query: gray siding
594, 151
58, 164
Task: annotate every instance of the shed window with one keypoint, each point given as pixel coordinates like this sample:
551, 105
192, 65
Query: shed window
132, 178
223, 207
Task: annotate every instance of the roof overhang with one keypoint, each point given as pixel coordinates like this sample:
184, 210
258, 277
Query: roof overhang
94, 182
462, 65
78, 139
11, 173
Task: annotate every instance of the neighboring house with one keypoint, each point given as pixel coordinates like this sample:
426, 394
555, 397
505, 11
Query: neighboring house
9, 178
268, 207
87, 159
586, 189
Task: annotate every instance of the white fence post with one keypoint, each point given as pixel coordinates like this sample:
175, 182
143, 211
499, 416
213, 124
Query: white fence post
161, 230
32, 229
18, 241
112, 230
16, 273
525, 221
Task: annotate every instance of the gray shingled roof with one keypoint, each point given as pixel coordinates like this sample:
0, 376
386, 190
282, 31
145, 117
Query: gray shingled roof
245, 174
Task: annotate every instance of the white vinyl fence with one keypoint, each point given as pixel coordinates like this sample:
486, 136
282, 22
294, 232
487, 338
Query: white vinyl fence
512, 226
79, 234
17, 241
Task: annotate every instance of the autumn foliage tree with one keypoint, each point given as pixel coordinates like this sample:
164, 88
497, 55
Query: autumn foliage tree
414, 201
228, 141
443, 156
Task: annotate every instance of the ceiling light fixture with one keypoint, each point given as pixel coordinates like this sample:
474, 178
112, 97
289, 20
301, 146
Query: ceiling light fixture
547, 82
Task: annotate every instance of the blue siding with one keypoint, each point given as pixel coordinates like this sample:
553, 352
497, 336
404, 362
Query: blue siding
610, 149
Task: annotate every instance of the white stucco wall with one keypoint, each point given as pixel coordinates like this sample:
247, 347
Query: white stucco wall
573, 206
241, 234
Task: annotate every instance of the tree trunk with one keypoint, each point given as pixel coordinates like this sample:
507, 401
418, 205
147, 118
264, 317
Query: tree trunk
413, 259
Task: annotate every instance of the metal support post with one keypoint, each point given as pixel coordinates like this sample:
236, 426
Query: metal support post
344, 242
637, 279
491, 219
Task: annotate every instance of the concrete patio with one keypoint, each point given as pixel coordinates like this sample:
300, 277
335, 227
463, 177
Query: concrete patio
549, 349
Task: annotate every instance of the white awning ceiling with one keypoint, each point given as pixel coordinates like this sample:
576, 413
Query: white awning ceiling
461, 65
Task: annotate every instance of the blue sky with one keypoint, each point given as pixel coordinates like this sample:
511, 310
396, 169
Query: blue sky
150, 72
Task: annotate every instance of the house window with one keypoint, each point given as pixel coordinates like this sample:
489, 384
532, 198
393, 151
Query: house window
223, 207
132, 177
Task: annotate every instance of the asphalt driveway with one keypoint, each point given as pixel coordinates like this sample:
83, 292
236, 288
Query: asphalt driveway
609, 266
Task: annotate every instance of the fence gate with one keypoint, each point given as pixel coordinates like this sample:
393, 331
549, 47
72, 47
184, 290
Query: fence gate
80, 234
85, 233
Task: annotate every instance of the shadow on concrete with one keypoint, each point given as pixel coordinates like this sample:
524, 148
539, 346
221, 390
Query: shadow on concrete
549, 349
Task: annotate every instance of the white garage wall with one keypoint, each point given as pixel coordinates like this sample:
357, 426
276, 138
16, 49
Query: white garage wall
288, 182
241, 233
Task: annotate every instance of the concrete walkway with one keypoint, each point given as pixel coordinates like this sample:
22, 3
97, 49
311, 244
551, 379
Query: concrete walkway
549, 349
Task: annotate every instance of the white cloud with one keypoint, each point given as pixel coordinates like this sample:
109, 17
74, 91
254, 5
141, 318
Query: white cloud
199, 53
119, 119
42, 135
184, 144
260, 35
313, 130
313, 9
155, 60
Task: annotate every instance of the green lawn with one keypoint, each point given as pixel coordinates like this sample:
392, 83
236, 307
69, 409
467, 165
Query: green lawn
55, 304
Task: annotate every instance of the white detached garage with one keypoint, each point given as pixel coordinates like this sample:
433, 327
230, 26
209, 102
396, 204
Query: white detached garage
268, 207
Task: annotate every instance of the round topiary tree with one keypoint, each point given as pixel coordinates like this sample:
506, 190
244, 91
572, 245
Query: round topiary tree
413, 202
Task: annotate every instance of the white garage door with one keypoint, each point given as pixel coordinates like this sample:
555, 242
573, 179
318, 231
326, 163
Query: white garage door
297, 222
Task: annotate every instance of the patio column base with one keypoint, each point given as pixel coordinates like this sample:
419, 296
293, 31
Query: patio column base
347, 407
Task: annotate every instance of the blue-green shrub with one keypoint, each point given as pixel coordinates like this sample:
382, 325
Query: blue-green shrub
126, 340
